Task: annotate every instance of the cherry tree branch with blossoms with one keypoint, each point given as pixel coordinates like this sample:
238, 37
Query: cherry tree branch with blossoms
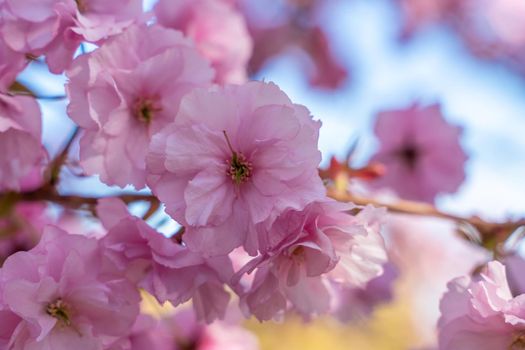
164, 109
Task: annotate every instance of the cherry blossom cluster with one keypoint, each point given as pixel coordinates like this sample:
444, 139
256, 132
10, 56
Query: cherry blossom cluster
162, 104
235, 165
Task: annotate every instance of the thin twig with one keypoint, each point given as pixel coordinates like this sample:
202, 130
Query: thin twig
39, 97
74, 201
60, 159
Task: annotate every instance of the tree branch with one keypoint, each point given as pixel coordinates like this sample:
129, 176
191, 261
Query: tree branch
74, 201
495, 232
56, 165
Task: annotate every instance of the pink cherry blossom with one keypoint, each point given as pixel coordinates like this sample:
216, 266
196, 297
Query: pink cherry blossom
481, 313
126, 91
166, 269
421, 152
234, 157
56, 28
307, 251
23, 157
64, 297
219, 32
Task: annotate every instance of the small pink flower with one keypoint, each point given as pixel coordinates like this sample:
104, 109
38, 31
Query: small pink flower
234, 157
219, 32
167, 270
64, 297
482, 313
307, 251
421, 152
56, 28
23, 157
126, 91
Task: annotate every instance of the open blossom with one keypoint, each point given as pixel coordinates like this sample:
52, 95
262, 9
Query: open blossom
63, 297
306, 252
126, 91
481, 313
56, 28
421, 152
219, 32
23, 157
164, 268
234, 157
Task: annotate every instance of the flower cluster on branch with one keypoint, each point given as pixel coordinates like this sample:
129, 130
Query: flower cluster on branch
162, 102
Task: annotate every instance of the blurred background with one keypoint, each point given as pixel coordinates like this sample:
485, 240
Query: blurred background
348, 59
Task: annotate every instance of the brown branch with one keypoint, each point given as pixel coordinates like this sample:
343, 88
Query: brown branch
74, 201
498, 231
56, 165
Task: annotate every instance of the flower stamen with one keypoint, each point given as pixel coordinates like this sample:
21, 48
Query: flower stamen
239, 168
410, 155
59, 310
145, 109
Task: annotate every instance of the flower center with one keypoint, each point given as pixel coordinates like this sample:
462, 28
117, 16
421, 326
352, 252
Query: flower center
518, 343
239, 168
298, 251
144, 109
59, 310
410, 155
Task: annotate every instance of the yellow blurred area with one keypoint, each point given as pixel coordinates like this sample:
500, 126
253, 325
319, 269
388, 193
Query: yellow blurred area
389, 328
